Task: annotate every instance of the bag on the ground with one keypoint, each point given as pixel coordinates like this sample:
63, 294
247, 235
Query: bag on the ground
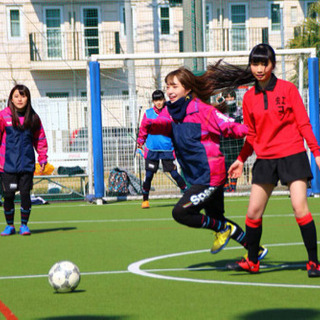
70, 170
118, 182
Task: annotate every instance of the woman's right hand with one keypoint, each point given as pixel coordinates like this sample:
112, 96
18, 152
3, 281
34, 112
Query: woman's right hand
235, 170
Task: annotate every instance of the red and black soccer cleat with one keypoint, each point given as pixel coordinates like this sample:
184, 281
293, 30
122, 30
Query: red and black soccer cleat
244, 265
313, 269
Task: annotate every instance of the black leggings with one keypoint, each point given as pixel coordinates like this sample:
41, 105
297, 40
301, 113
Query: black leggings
211, 199
8, 203
198, 197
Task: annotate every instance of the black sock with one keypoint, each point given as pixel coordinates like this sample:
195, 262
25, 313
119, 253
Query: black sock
9, 215
211, 223
309, 236
239, 235
253, 240
25, 215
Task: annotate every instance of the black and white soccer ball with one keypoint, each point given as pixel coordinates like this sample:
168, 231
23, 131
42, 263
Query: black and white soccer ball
64, 276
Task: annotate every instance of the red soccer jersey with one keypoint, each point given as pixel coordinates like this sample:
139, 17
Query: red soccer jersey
278, 122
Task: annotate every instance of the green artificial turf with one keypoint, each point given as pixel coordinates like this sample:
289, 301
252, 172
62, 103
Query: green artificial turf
181, 279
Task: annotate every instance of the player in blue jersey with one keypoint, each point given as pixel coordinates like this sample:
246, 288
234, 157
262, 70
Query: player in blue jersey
157, 147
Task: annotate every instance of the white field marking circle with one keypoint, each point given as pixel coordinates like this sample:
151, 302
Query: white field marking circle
136, 269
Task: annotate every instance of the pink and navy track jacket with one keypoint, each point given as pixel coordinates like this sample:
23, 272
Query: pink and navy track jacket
196, 140
156, 143
17, 146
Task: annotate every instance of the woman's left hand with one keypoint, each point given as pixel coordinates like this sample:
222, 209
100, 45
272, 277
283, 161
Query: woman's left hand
42, 167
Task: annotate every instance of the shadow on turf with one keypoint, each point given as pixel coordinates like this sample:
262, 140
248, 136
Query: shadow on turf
281, 314
162, 205
52, 230
208, 266
87, 317
271, 266
70, 292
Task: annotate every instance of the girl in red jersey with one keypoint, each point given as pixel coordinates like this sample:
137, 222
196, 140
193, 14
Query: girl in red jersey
276, 117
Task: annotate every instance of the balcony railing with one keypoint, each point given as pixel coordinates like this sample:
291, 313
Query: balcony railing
235, 39
78, 46
72, 45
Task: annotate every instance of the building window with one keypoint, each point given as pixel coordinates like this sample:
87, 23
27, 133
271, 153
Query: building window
83, 94
91, 31
57, 94
275, 17
165, 20
123, 21
311, 13
175, 2
14, 23
294, 15
180, 41
238, 27
220, 15
265, 35
297, 31
53, 32
208, 22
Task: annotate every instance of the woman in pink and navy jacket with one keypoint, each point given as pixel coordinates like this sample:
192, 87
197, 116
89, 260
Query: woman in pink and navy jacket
195, 128
21, 132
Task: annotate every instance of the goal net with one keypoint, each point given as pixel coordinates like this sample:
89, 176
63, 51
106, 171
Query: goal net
136, 76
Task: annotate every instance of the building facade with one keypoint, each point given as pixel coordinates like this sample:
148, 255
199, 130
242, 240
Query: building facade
46, 44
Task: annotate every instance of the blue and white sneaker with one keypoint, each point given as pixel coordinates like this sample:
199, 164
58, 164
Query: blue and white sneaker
263, 251
24, 230
8, 231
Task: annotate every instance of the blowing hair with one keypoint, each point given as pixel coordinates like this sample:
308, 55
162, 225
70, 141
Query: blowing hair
218, 77
31, 119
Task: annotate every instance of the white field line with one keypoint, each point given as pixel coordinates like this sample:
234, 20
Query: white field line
135, 268
135, 203
267, 216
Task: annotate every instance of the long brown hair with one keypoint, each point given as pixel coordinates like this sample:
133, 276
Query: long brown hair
218, 77
31, 119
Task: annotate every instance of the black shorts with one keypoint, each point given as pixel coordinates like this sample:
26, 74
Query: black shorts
153, 165
12, 182
287, 169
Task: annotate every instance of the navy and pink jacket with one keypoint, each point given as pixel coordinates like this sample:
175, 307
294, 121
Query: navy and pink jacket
196, 140
17, 146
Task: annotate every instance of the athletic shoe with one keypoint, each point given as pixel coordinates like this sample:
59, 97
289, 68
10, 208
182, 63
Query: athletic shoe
263, 251
145, 204
244, 265
8, 231
222, 238
24, 230
313, 269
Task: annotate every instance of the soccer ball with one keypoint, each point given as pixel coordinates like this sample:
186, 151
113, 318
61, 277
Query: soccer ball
64, 276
